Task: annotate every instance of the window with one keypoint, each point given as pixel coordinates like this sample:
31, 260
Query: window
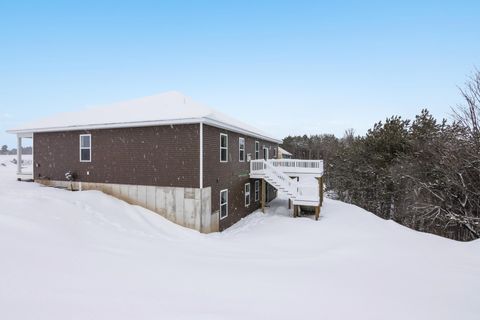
241, 149
223, 147
265, 153
274, 152
85, 148
257, 150
257, 190
247, 194
223, 204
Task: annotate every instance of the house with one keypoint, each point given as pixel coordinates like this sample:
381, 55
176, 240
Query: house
189, 163
284, 154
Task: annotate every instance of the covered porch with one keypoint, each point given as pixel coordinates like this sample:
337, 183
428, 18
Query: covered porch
24, 161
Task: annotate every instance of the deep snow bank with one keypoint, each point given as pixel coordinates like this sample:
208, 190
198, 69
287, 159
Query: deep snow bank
86, 255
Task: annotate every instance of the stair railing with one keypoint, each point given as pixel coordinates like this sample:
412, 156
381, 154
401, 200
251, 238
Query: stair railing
270, 171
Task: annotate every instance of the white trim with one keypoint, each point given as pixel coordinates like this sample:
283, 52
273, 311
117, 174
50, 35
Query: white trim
20, 173
283, 152
226, 204
25, 176
19, 154
233, 128
247, 193
28, 134
257, 190
226, 148
201, 155
84, 148
205, 120
33, 155
239, 149
257, 150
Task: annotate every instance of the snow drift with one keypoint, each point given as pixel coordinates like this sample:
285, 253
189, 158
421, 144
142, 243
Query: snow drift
86, 255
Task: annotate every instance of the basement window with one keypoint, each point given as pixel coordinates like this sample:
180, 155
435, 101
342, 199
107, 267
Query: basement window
85, 148
241, 149
257, 150
247, 194
257, 190
223, 204
223, 147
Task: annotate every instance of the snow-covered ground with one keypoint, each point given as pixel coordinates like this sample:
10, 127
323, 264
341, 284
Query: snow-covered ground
86, 255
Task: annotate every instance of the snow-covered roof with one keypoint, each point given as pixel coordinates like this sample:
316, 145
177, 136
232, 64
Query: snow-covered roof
283, 151
161, 109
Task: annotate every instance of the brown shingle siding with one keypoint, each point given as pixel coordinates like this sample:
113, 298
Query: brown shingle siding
231, 175
157, 156
161, 156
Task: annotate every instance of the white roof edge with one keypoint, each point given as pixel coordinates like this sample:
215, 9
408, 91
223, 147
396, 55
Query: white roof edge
205, 120
284, 151
220, 124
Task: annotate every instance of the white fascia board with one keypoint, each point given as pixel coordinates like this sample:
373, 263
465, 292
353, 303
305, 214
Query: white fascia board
25, 134
108, 125
222, 125
212, 122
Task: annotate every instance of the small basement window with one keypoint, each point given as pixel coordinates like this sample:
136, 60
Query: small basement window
247, 194
257, 190
241, 149
85, 148
223, 147
223, 204
257, 150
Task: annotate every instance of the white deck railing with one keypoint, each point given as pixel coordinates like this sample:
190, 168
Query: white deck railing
278, 173
298, 166
264, 168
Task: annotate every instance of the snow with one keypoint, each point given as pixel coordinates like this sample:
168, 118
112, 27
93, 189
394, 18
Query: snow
86, 255
283, 151
165, 108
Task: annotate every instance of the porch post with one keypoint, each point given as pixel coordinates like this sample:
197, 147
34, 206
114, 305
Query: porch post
264, 194
19, 154
321, 190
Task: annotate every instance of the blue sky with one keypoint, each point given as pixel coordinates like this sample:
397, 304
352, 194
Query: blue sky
289, 67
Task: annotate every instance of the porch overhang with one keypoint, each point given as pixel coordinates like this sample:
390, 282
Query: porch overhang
24, 172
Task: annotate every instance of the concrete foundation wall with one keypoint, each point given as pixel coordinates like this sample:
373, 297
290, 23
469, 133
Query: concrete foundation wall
188, 207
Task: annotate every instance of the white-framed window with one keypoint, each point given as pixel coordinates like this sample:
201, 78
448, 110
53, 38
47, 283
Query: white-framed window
265, 153
85, 148
247, 194
274, 152
241, 149
257, 150
257, 190
223, 147
223, 204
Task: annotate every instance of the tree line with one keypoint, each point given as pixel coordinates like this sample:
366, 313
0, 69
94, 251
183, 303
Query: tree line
422, 173
5, 151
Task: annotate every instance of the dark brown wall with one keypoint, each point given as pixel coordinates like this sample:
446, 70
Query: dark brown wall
231, 175
159, 156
